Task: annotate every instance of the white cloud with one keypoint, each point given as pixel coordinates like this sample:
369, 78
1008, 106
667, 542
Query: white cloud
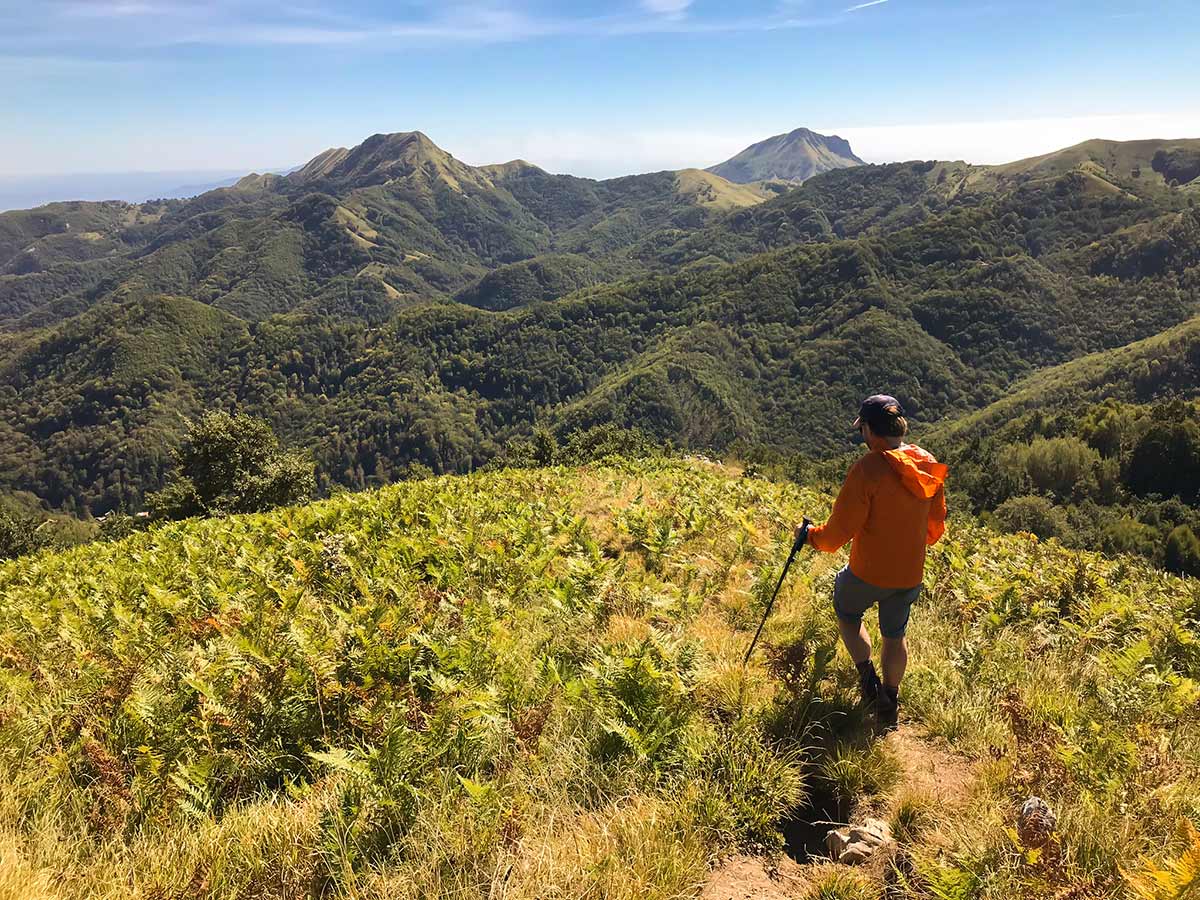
605, 153
109, 9
63, 27
996, 142
666, 7
865, 5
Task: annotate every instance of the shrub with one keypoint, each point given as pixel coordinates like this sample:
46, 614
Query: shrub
20, 535
1127, 535
1165, 460
912, 816
1183, 551
116, 525
854, 771
640, 701
546, 448
756, 786
1063, 467
1036, 515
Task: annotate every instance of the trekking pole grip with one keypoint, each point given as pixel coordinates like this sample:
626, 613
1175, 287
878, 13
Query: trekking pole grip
802, 534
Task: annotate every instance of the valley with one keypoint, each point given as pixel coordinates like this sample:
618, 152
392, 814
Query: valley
387, 305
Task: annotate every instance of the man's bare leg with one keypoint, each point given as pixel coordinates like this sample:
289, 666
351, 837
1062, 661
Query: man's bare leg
895, 661
857, 641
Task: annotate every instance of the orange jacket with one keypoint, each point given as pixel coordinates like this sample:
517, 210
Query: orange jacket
892, 505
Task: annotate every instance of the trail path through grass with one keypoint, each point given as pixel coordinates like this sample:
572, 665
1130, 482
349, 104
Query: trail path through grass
930, 776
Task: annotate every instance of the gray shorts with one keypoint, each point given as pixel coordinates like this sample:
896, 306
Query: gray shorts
852, 597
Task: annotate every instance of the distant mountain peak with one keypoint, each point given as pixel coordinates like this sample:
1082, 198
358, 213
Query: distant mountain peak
514, 168
385, 157
795, 156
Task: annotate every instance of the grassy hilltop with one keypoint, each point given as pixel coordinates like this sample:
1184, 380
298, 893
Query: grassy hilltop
527, 684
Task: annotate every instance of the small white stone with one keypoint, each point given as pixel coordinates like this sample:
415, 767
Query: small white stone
856, 854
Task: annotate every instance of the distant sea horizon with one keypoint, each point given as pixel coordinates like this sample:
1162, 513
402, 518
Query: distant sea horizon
30, 191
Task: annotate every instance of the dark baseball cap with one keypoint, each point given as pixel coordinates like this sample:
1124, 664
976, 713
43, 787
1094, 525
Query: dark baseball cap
878, 410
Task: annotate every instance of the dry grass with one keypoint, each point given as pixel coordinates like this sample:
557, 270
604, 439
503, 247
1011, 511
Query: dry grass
1007, 707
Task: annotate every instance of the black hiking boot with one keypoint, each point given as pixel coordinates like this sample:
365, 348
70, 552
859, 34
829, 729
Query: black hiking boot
887, 707
869, 685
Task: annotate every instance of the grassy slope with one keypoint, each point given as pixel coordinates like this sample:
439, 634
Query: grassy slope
706, 189
1118, 158
527, 682
74, 230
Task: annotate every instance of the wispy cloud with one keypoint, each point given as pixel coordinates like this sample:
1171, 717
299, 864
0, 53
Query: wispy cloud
106, 10
66, 27
666, 7
603, 154
865, 5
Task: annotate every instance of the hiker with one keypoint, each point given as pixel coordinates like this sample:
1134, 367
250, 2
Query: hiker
892, 506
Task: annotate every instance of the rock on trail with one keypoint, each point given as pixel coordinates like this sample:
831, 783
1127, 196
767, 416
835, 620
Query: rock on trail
926, 768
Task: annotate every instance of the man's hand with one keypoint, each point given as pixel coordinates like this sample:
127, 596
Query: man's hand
800, 536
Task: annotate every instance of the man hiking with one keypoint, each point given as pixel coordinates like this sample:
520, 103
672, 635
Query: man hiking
892, 506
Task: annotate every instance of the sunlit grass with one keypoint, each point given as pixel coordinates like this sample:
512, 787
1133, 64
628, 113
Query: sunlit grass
530, 684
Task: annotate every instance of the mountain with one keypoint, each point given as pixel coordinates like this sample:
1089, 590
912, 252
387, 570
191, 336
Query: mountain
384, 158
795, 156
392, 221
388, 305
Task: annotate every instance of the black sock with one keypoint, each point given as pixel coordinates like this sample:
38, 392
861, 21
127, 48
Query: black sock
865, 669
893, 693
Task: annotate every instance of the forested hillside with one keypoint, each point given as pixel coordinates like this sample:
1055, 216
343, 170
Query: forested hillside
388, 305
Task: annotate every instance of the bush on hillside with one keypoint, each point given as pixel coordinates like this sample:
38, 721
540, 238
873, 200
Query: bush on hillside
233, 464
1063, 467
1183, 552
1036, 515
20, 534
546, 448
1165, 460
1105, 426
117, 526
1127, 535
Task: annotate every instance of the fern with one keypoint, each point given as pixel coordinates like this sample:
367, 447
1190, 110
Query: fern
1176, 879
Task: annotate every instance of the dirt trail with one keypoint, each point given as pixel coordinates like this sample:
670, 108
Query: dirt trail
925, 769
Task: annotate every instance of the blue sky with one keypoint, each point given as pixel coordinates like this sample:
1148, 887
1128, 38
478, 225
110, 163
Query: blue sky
589, 87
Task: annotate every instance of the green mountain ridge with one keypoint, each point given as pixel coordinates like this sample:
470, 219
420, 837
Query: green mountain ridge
417, 320
395, 201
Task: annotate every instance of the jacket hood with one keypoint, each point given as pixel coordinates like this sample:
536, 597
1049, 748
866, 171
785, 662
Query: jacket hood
919, 471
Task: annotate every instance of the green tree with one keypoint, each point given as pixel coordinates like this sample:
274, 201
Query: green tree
20, 534
1183, 551
1063, 467
1165, 460
233, 464
1036, 515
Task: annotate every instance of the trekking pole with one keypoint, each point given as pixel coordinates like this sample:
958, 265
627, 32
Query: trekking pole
801, 538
